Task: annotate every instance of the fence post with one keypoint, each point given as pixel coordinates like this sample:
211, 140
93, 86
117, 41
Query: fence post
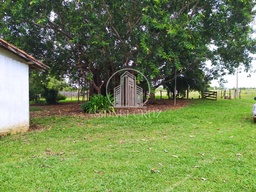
78, 95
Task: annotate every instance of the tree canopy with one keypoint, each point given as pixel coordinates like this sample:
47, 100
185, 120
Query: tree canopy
87, 41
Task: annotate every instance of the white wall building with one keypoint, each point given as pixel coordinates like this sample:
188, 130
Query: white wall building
14, 87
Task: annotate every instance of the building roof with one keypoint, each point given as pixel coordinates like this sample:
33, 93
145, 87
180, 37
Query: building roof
31, 61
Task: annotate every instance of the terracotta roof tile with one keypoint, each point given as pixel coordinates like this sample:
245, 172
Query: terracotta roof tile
31, 61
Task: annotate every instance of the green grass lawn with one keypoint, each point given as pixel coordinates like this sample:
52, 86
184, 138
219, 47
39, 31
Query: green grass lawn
33, 108
207, 146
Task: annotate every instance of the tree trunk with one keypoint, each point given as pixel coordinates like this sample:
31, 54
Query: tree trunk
187, 93
94, 89
98, 89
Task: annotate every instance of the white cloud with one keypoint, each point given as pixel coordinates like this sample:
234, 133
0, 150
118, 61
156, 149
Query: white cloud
243, 79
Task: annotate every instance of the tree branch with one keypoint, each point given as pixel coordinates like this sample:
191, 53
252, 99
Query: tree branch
57, 28
131, 27
110, 16
52, 26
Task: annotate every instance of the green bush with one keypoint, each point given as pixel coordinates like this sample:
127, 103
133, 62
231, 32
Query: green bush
61, 97
86, 107
98, 104
50, 96
33, 96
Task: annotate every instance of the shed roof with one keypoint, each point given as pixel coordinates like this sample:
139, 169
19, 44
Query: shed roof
31, 61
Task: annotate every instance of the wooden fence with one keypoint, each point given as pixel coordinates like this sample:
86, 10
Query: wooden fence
76, 95
212, 95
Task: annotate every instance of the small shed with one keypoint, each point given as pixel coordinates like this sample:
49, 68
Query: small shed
14, 87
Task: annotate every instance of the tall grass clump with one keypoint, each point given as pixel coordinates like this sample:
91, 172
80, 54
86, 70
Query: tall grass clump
98, 104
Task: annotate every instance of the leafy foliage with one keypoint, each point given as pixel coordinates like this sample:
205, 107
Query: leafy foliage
35, 87
61, 97
46, 86
89, 40
50, 95
51, 90
98, 104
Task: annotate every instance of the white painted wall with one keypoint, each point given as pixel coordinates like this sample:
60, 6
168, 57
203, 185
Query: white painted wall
14, 93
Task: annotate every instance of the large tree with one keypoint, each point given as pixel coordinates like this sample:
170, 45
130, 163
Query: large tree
89, 40
192, 32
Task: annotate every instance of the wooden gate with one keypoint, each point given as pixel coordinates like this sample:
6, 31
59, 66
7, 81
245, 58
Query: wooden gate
212, 95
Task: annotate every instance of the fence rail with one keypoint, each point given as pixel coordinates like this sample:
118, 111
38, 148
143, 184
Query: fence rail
212, 95
162, 94
83, 96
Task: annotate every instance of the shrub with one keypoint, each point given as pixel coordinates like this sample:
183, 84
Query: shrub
98, 104
61, 97
33, 96
51, 89
50, 96
86, 106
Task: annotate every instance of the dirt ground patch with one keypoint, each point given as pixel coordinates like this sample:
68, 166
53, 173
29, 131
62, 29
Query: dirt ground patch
74, 109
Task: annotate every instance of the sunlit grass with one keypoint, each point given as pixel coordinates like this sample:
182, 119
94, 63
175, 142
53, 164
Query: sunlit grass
207, 146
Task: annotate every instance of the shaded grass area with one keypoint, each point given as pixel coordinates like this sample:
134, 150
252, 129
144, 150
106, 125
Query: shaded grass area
207, 146
33, 108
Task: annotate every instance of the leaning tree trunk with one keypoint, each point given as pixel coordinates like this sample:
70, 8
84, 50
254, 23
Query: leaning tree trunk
95, 89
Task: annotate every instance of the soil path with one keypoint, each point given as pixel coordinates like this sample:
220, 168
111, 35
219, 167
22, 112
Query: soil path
74, 109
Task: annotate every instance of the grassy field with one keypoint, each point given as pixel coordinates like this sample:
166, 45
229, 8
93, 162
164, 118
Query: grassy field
207, 146
245, 93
